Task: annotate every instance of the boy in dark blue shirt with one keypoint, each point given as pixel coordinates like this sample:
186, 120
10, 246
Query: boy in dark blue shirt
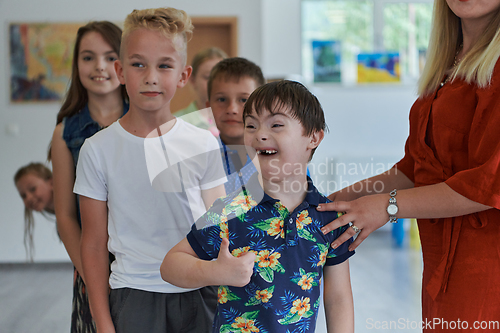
271, 253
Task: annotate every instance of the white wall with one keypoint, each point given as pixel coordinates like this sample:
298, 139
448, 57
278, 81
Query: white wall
280, 38
368, 127
365, 122
36, 121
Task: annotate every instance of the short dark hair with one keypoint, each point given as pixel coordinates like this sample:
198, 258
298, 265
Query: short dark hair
302, 104
235, 68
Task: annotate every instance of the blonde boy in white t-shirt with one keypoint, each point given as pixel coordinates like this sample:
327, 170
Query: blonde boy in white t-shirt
127, 206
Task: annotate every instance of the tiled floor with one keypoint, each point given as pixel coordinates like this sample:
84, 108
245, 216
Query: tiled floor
35, 298
385, 282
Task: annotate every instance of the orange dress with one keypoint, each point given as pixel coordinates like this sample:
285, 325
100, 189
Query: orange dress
455, 138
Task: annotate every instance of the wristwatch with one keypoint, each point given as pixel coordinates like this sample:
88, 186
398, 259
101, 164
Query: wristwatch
392, 209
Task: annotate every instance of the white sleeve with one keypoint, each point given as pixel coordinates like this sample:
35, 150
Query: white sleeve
90, 180
214, 172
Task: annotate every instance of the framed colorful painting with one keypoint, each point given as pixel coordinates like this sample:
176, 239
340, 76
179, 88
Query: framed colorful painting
40, 60
378, 67
326, 55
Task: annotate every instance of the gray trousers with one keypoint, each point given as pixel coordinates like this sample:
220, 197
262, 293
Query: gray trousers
139, 311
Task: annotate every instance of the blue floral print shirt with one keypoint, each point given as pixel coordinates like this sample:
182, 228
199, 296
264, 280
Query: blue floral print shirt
284, 291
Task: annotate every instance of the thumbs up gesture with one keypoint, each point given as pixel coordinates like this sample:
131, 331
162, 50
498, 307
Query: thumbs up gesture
234, 271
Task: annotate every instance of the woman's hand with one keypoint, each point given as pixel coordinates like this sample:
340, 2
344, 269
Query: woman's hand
367, 213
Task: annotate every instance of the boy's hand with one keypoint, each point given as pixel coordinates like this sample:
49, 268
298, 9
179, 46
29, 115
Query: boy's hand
235, 271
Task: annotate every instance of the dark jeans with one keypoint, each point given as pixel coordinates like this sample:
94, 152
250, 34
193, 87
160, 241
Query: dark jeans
138, 311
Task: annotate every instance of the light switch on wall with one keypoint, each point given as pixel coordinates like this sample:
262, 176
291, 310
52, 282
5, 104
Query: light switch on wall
12, 129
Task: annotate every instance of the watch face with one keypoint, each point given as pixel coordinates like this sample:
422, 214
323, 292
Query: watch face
392, 209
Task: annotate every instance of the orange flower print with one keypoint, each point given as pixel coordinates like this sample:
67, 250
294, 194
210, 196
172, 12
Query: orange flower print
245, 202
266, 259
222, 295
276, 228
224, 231
301, 306
322, 259
263, 295
245, 325
305, 282
303, 219
240, 251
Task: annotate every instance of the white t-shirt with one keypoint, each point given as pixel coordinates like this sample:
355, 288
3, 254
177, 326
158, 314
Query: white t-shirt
146, 218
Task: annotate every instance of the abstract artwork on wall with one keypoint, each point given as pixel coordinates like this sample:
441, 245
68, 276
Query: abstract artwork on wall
378, 67
326, 55
40, 60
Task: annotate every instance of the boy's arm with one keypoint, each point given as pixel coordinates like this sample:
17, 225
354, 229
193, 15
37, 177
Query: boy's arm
212, 194
182, 267
95, 260
338, 302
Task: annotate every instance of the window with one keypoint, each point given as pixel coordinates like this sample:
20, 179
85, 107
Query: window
363, 34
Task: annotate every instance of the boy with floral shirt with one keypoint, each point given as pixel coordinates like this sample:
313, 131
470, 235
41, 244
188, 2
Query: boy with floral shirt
271, 253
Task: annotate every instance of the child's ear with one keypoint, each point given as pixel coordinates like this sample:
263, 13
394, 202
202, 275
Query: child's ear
315, 139
184, 78
119, 71
192, 78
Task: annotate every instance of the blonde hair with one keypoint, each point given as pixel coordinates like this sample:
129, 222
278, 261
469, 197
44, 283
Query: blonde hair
204, 55
445, 42
170, 22
41, 171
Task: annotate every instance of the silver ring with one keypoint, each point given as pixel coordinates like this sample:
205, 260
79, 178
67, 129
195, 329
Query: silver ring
356, 229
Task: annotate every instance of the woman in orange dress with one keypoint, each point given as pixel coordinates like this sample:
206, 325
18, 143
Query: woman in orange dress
449, 178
